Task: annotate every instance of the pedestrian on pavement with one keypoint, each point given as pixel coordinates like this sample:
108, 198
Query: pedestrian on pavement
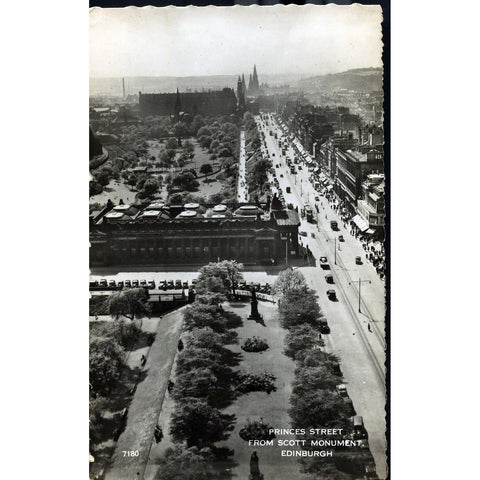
143, 360
369, 328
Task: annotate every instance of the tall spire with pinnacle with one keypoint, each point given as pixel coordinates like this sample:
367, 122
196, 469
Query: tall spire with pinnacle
255, 84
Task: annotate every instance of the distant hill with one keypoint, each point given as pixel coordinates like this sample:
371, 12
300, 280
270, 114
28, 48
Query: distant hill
113, 86
359, 79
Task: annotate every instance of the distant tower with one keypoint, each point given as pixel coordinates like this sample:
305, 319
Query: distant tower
123, 86
240, 93
255, 84
243, 85
178, 106
250, 86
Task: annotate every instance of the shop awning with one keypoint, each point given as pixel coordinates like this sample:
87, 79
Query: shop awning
360, 223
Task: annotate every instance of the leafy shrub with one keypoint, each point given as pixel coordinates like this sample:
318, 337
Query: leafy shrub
256, 430
254, 344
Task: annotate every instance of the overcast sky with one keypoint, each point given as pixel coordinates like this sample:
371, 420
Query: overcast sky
229, 40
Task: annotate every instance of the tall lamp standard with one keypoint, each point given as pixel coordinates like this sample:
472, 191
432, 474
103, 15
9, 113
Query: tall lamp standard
359, 291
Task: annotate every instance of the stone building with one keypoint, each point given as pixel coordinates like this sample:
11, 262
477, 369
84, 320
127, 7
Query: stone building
158, 235
222, 102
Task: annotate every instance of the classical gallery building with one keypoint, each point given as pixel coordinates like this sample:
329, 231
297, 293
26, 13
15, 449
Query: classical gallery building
192, 234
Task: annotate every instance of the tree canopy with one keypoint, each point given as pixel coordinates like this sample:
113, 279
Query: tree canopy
197, 423
131, 303
106, 362
287, 280
299, 306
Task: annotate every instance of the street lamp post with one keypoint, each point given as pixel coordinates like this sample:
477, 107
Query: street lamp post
359, 292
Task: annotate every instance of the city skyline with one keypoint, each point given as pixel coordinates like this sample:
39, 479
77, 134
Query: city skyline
135, 42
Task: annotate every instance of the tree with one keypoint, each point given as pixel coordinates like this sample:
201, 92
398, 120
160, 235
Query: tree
205, 338
204, 131
180, 463
132, 179
106, 362
103, 178
185, 181
189, 147
150, 187
313, 378
299, 338
258, 175
229, 272
203, 315
97, 406
197, 423
299, 306
206, 169
176, 199
196, 383
194, 357
129, 303
171, 144
180, 130
288, 280
318, 408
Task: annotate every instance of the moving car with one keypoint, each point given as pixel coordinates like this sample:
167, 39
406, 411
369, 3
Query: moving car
334, 225
358, 260
302, 233
288, 190
340, 238
329, 279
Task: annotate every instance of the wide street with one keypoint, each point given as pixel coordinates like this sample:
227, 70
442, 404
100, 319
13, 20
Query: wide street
361, 351
242, 190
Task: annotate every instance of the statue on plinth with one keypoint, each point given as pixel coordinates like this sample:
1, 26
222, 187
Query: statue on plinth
254, 315
255, 473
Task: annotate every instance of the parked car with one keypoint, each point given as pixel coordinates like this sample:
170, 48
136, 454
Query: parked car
324, 327
143, 283
103, 282
170, 284
340, 238
151, 285
93, 284
162, 285
128, 284
112, 284
358, 260
185, 284
334, 225
135, 283
302, 233
178, 284
120, 284
329, 279
323, 259
288, 189
332, 295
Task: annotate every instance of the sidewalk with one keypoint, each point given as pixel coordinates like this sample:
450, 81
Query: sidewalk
147, 402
